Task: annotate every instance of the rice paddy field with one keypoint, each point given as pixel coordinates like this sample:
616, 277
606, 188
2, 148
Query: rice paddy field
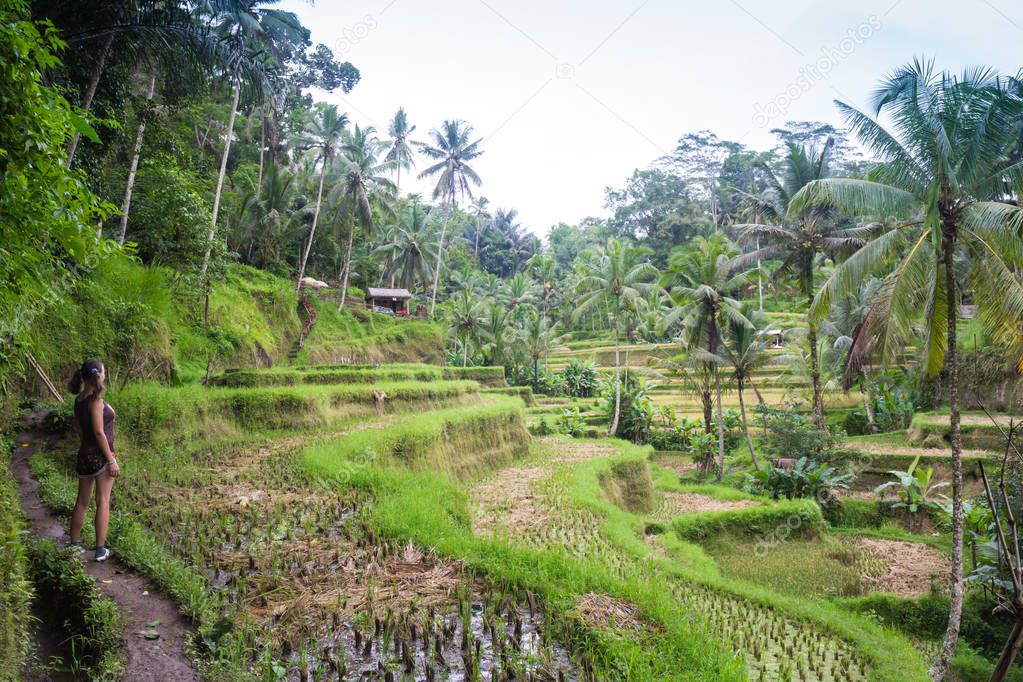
400, 522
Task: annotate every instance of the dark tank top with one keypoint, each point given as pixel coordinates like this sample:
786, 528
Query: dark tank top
84, 420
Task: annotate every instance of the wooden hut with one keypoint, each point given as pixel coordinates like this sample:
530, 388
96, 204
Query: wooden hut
394, 300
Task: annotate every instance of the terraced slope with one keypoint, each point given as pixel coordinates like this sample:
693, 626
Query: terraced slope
429, 536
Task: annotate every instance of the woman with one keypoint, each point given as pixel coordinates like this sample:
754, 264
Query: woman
96, 464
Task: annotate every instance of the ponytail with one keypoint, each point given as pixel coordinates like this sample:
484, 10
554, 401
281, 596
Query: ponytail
74, 384
87, 375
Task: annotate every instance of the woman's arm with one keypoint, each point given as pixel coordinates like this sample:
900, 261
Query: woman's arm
96, 413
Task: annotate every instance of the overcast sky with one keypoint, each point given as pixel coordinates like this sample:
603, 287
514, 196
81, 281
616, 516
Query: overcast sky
570, 97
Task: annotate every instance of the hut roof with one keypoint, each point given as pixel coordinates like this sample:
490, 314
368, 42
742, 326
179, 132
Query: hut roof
373, 292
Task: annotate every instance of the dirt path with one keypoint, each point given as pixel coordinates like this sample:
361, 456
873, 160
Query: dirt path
138, 600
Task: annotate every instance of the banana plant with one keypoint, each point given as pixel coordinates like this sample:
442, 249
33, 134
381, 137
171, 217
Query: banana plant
915, 488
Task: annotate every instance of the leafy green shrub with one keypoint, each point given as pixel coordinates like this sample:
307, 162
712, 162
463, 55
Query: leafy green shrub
91, 621
806, 479
15, 586
581, 378
571, 422
635, 409
793, 435
915, 488
892, 407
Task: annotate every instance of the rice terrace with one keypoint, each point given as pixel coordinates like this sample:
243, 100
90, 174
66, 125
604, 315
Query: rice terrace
493, 342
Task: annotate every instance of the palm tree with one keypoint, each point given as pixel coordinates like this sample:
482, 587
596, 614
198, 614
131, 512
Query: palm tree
536, 336
247, 28
745, 351
796, 237
518, 290
274, 215
411, 249
481, 220
321, 137
363, 178
400, 152
938, 197
452, 151
464, 318
495, 330
702, 275
616, 276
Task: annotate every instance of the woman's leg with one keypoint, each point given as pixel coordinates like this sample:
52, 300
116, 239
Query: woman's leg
81, 506
104, 483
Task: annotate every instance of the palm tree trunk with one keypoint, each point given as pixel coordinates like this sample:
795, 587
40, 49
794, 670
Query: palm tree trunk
440, 251
867, 406
815, 375
955, 609
136, 153
760, 398
745, 427
397, 183
721, 425
312, 230
220, 177
618, 381
90, 92
262, 153
348, 266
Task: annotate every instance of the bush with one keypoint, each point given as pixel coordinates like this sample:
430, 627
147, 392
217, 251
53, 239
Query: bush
581, 378
571, 422
807, 478
635, 410
15, 587
91, 621
793, 435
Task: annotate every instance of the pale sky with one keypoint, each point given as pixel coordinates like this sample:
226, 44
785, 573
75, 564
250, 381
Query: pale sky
570, 97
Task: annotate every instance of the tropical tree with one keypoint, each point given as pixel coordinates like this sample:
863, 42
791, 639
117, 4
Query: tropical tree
796, 236
276, 215
464, 320
411, 249
494, 331
363, 178
400, 151
614, 276
321, 138
944, 227
536, 337
745, 351
518, 290
481, 221
246, 27
702, 276
451, 151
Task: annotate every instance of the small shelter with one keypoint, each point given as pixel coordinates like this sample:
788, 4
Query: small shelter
394, 300
775, 336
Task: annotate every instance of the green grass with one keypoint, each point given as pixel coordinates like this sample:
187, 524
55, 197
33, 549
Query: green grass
800, 567
357, 337
890, 656
90, 622
16, 592
461, 442
437, 516
155, 413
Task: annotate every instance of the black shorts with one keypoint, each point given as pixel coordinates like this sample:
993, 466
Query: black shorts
90, 463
